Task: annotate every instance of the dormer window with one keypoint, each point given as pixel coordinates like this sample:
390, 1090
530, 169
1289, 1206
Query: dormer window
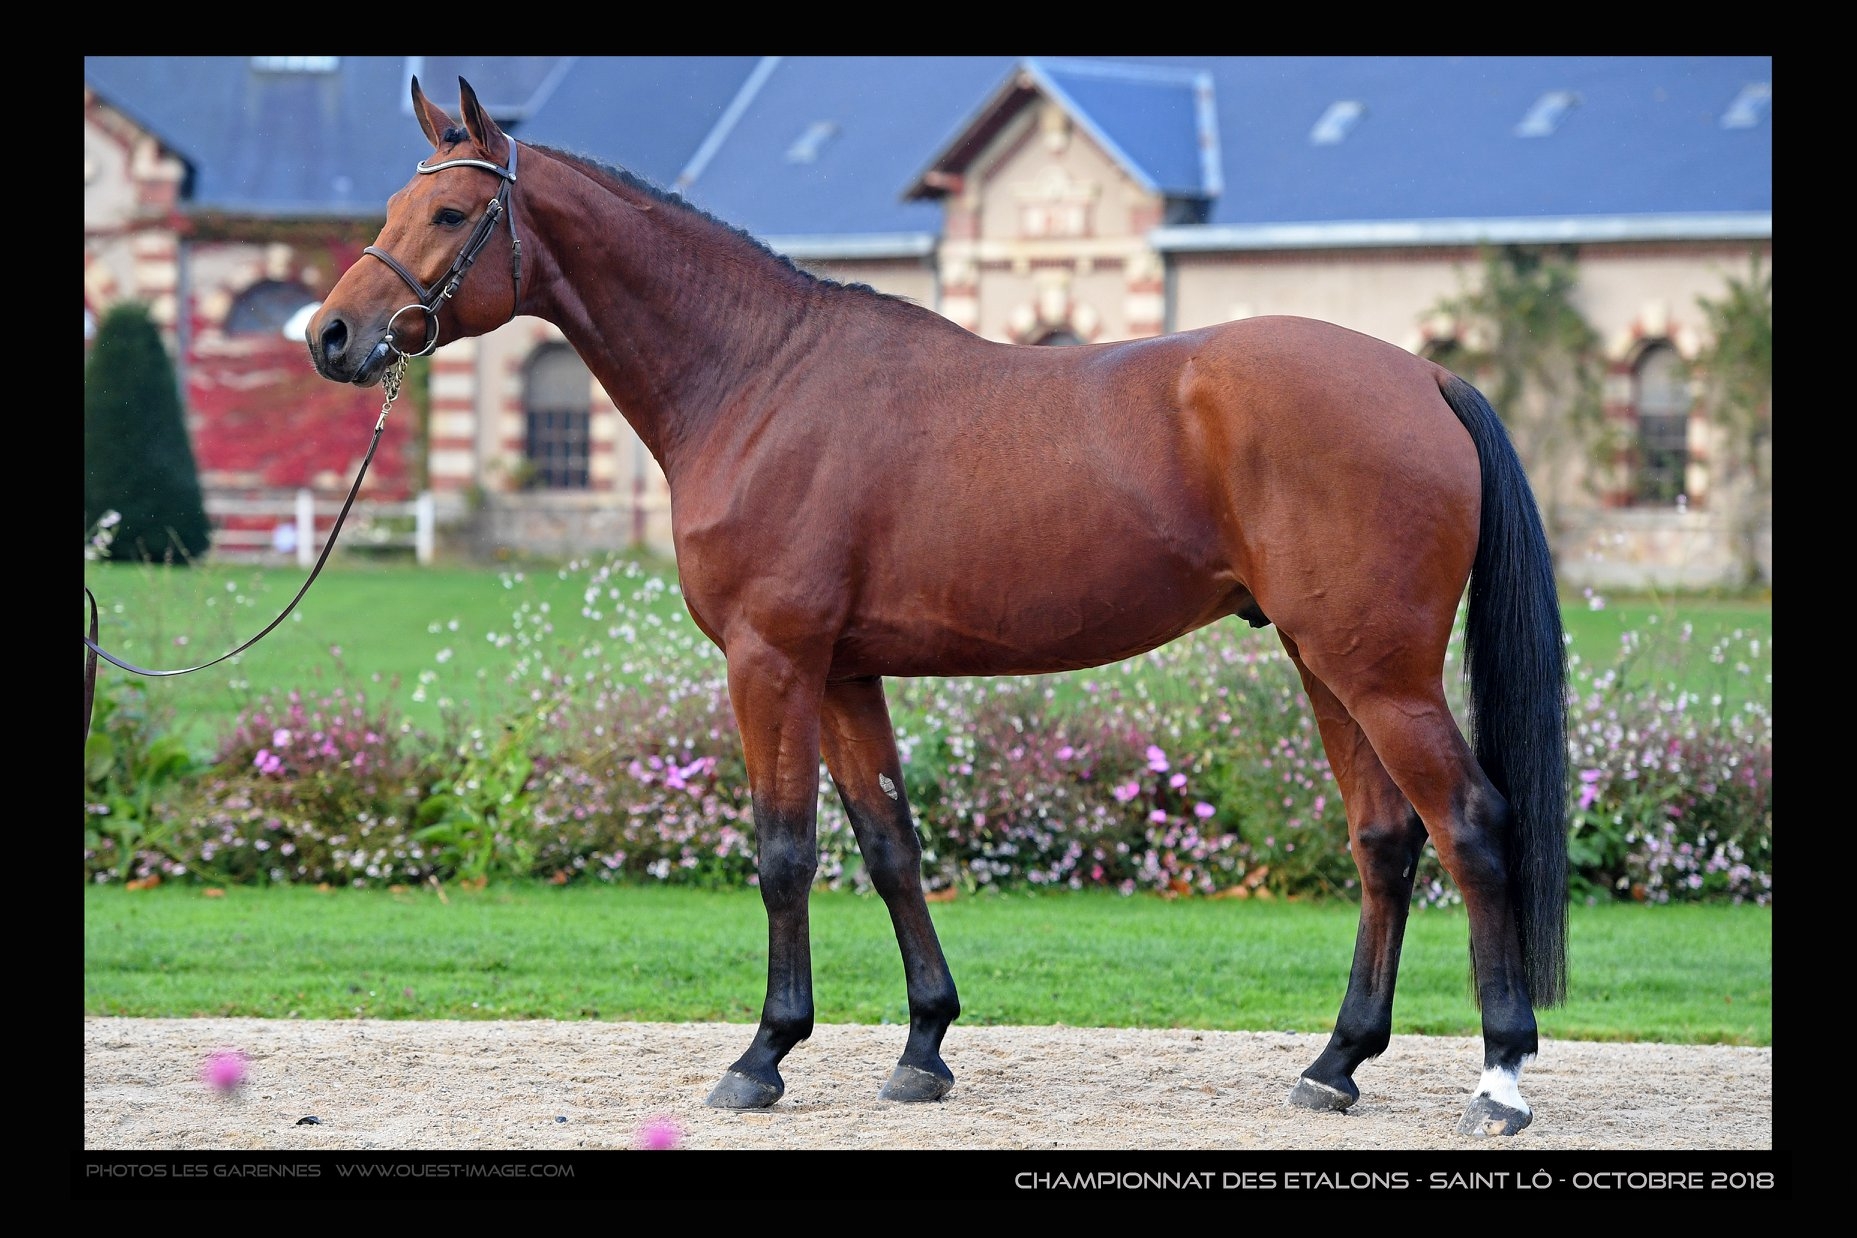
806, 147
1547, 113
1749, 106
295, 64
1336, 122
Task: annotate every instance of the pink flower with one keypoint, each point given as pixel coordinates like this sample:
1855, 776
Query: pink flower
1066, 753
1177, 781
1589, 792
224, 1070
1157, 760
1127, 791
1202, 810
659, 1134
677, 778
1158, 816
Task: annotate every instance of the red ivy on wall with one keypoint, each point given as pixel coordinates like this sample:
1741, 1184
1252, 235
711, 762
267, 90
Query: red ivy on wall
261, 413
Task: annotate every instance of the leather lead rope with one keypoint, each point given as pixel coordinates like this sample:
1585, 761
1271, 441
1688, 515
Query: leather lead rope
430, 299
391, 382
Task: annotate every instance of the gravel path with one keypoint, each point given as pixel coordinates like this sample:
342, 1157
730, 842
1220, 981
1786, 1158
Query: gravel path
392, 1085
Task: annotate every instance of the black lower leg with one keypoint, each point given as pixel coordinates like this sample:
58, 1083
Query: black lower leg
787, 861
1387, 859
893, 859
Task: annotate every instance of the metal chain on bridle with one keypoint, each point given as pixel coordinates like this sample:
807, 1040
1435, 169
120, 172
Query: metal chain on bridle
430, 299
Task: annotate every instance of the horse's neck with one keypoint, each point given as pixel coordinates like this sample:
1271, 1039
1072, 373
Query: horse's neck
675, 317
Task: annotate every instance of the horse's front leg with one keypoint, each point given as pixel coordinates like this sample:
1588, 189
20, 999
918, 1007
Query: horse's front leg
776, 699
860, 752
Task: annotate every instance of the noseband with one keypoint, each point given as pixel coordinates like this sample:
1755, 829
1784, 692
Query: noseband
431, 298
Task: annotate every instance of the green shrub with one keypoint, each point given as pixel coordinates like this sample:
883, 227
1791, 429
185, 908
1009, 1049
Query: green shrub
138, 463
133, 763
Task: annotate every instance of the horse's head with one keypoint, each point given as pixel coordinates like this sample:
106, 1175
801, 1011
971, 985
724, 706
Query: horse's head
408, 293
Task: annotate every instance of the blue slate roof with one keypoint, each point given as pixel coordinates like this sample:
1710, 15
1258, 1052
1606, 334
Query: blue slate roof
886, 113
831, 150
293, 143
1438, 138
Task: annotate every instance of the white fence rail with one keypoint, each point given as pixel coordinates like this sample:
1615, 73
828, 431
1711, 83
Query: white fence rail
277, 533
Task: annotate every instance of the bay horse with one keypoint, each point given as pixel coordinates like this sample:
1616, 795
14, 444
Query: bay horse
861, 488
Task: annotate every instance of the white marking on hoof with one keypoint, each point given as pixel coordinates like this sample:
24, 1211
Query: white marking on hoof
1325, 1090
1504, 1087
889, 788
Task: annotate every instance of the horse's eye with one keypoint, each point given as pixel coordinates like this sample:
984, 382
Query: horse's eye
448, 218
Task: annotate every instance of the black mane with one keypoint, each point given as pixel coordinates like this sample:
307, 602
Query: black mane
631, 180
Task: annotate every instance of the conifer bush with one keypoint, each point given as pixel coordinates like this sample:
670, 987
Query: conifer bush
138, 462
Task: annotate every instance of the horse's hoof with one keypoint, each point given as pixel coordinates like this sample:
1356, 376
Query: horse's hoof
738, 1091
1308, 1094
912, 1083
1487, 1117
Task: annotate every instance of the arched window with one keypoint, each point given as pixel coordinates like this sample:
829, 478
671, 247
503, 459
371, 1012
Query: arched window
266, 306
1660, 399
557, 398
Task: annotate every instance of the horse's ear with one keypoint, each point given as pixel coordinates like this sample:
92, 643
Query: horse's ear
484, 131
432, 118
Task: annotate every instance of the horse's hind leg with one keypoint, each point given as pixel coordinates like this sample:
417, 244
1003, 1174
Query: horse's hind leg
1386, 837
860, 752
1418, 742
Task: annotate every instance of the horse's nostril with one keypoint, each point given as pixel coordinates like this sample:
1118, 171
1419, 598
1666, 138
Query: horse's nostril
334, 338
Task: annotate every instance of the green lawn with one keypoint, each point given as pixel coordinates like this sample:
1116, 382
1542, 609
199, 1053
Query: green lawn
1672, 974
384, 626
380, 626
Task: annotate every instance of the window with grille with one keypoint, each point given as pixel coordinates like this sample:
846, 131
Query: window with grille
1660, 397
557, 400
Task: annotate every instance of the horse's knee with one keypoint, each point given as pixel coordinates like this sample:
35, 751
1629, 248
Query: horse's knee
1386, 851
892, 858
1388, 842
786, 865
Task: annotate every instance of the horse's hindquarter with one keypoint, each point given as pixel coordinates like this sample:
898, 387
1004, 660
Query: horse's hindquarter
1351, 489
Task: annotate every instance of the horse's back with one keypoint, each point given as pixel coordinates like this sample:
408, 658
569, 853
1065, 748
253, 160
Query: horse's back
1271, 389
1295, 382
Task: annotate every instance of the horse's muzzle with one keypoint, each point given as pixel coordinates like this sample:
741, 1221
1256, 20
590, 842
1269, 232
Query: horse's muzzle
374, 365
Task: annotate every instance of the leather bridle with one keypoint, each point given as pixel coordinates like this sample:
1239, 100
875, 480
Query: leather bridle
430, 299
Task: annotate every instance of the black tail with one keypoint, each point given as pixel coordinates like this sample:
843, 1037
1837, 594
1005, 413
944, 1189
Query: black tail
1515, 662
